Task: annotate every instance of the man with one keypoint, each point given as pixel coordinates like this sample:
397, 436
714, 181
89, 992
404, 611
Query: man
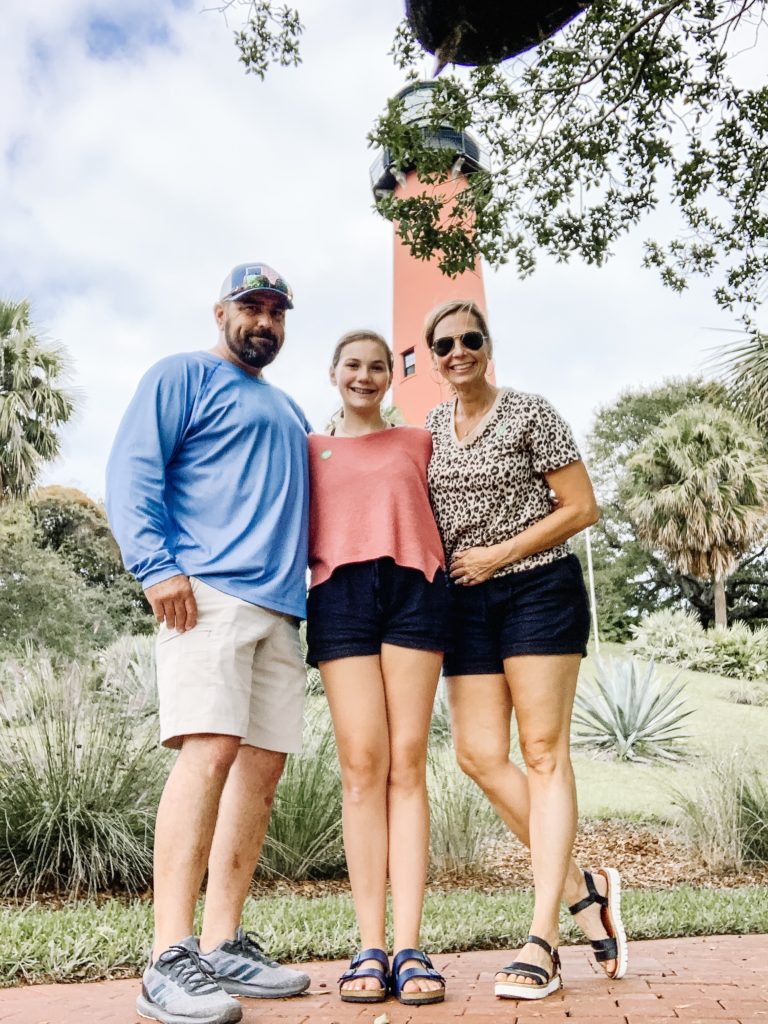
207, 496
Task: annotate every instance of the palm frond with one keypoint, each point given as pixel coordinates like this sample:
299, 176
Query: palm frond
33, 403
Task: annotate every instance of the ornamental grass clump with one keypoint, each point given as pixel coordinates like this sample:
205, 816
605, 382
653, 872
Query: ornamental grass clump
725, 816
127, 672
440, 723
304, 838
630, 712
79, 786
463, 823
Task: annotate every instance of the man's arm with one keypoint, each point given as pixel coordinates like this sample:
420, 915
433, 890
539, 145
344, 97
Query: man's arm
147, 439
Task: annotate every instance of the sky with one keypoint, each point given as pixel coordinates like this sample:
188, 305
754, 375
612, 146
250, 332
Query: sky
139, 163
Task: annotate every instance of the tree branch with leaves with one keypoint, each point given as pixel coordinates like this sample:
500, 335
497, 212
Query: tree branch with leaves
633, 103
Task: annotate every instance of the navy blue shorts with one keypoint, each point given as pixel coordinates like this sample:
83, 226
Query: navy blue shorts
366, 604
538, 611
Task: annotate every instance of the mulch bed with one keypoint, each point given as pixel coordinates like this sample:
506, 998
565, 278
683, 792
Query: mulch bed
647, 859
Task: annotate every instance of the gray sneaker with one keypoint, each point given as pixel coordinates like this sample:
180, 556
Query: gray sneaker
178, 988
241, 967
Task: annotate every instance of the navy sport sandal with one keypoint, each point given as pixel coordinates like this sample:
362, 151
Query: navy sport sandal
427, 970
355, 970
615, 946
544, 984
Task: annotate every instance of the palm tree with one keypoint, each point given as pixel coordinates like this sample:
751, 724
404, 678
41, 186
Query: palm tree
697, 490
33, 405
742, 366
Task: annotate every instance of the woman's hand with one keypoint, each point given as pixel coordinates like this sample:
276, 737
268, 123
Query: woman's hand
476, 565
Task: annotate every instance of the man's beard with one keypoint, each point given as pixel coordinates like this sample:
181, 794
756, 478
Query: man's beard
252, 348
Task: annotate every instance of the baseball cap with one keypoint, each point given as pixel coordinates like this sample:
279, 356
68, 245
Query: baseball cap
248, 278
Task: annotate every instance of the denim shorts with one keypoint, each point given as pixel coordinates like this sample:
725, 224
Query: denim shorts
537, 611
366, 604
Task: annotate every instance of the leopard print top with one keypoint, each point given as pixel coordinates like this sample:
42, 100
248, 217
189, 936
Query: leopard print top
490, 486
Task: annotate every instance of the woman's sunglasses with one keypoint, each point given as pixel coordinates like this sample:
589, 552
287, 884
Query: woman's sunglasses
473, 340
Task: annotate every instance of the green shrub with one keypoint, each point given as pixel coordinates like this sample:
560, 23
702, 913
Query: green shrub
739, 652
75, 527
630, 712
462, 819
726, 815
79, 786
304, 838
42, 599
678, 637
673, 636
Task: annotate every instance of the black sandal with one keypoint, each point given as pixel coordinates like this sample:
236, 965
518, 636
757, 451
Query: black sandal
544, 984
615, 946
366, 995
427, 970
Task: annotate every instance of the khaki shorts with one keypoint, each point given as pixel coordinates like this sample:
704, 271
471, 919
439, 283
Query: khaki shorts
239, 672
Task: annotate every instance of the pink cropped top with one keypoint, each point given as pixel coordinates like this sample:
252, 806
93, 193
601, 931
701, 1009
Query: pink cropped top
369, 499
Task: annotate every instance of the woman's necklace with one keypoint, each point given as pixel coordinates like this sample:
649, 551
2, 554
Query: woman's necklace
469, 423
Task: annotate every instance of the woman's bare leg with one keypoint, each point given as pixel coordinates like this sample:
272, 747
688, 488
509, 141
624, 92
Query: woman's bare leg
481, 707
542, 689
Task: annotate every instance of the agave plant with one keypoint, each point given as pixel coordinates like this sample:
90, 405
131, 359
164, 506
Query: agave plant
631, 712
305, 838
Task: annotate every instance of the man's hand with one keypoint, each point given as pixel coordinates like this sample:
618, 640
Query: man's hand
174, 603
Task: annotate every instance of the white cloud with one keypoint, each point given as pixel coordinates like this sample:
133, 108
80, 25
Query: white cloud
130, 185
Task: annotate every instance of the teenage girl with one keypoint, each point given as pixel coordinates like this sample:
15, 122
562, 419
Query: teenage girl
375, 628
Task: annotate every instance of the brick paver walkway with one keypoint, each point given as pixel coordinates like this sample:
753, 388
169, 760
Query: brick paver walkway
723, 980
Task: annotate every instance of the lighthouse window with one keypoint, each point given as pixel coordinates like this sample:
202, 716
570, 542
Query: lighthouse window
409, 363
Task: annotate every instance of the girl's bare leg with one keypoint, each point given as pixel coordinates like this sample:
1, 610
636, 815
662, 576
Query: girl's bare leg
355, 691
410, 681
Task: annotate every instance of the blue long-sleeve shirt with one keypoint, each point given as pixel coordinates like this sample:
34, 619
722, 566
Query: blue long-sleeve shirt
208, 477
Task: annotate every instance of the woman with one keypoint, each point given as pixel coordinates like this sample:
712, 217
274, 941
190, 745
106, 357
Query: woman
520, 619
375, 627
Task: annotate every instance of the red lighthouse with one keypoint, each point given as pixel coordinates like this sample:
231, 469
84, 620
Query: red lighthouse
419, 285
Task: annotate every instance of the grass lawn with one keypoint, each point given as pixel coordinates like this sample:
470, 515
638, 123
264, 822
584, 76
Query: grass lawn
110, 938
609, 789
88, 941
